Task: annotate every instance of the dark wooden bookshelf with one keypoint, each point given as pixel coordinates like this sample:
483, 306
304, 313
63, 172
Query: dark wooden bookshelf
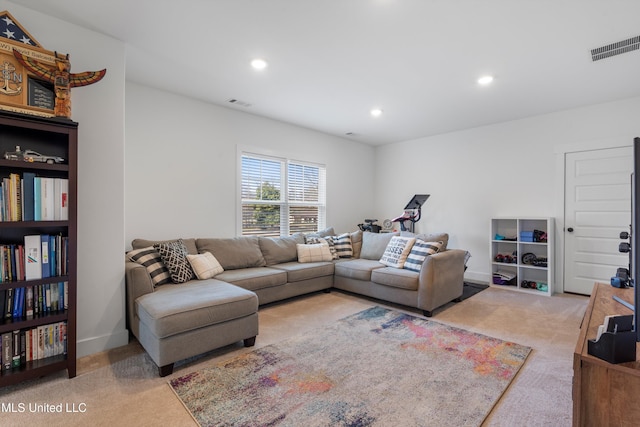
58, 137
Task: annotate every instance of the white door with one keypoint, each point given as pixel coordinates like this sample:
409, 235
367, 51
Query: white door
597, 209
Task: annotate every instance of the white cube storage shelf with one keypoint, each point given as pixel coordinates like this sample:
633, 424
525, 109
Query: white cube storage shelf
510, 243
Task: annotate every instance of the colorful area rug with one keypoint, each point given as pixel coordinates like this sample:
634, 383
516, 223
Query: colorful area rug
377, 367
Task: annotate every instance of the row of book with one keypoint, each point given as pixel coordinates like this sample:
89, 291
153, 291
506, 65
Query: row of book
26, 345
41, 256
34, 198
33, 301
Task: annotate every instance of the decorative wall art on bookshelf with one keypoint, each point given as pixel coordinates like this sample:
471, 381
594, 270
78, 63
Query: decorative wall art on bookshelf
38, 267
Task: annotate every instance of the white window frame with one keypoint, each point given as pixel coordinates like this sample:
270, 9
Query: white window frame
284, 202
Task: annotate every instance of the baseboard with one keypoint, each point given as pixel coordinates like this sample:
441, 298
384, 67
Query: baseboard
105, 342
480, 278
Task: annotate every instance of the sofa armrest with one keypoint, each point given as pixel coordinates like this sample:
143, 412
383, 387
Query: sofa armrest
441, 279
138, 283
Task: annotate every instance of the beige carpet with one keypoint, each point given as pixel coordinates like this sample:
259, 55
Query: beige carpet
121, 386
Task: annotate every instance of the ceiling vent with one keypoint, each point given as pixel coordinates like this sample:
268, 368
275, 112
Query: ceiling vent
238, 102
614, 49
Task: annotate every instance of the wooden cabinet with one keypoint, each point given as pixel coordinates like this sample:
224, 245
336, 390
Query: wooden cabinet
519, 249
53, 137
604, 394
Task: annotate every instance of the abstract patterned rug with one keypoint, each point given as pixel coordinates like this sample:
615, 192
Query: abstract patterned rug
377, 367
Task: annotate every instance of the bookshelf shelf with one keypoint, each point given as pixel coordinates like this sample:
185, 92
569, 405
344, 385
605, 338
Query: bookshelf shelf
524, 275
56, 137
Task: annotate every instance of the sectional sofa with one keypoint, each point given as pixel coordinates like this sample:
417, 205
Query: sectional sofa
189, 296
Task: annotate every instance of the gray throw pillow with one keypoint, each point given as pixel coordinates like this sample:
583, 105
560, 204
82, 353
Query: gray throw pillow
234, 253
277, 250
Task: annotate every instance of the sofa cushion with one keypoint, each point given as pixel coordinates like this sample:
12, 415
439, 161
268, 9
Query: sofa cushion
205, 265
357, 268
152, 261
297, 272
172, 309
276, 250
397, 251
174, 257
374, 244
254, 278
396, 278
314, 252
144, 243
419, 252
234, 253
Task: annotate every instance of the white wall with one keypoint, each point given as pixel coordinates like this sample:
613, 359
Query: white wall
182, 157
507, 169
99, 110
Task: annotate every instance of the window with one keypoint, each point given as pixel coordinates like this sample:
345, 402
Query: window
281, 197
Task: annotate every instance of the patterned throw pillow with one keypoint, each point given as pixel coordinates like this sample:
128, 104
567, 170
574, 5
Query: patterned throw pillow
420, 251
397, 251
174, 256
343, 246
204, 265
152, 261
314, 239
315, 252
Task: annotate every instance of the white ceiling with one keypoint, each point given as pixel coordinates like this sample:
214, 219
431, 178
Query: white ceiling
331, 61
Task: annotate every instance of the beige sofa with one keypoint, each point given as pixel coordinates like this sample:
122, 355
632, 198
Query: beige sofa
177, 321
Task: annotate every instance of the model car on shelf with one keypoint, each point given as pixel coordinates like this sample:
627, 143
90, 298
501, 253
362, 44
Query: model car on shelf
31, 156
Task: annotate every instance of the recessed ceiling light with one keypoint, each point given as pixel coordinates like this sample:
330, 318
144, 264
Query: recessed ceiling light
259, 64
376, 112
485, 80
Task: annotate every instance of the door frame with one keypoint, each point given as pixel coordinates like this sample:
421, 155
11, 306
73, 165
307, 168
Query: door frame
560, 153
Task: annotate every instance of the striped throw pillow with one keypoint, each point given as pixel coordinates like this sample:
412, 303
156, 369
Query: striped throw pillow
342, 244
151, 260
419, 252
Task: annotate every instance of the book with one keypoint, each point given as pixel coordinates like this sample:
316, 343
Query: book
7, 351
29, 302
3, 302
28, 196
37, 199
53, 255
32, 248
64, 199
19, 298
41, 345
47, 197
44, 255
8, 308
15, 357
54, 297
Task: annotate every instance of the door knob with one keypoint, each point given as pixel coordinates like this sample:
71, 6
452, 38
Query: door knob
570, 229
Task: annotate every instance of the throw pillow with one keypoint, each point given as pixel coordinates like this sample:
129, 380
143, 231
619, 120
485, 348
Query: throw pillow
152, 261
420, 251
315, 252
343, 246
397, 251
174, 256
313, 240
205, 265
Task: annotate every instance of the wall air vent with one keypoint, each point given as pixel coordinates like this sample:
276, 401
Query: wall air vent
614, 49
238, 102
